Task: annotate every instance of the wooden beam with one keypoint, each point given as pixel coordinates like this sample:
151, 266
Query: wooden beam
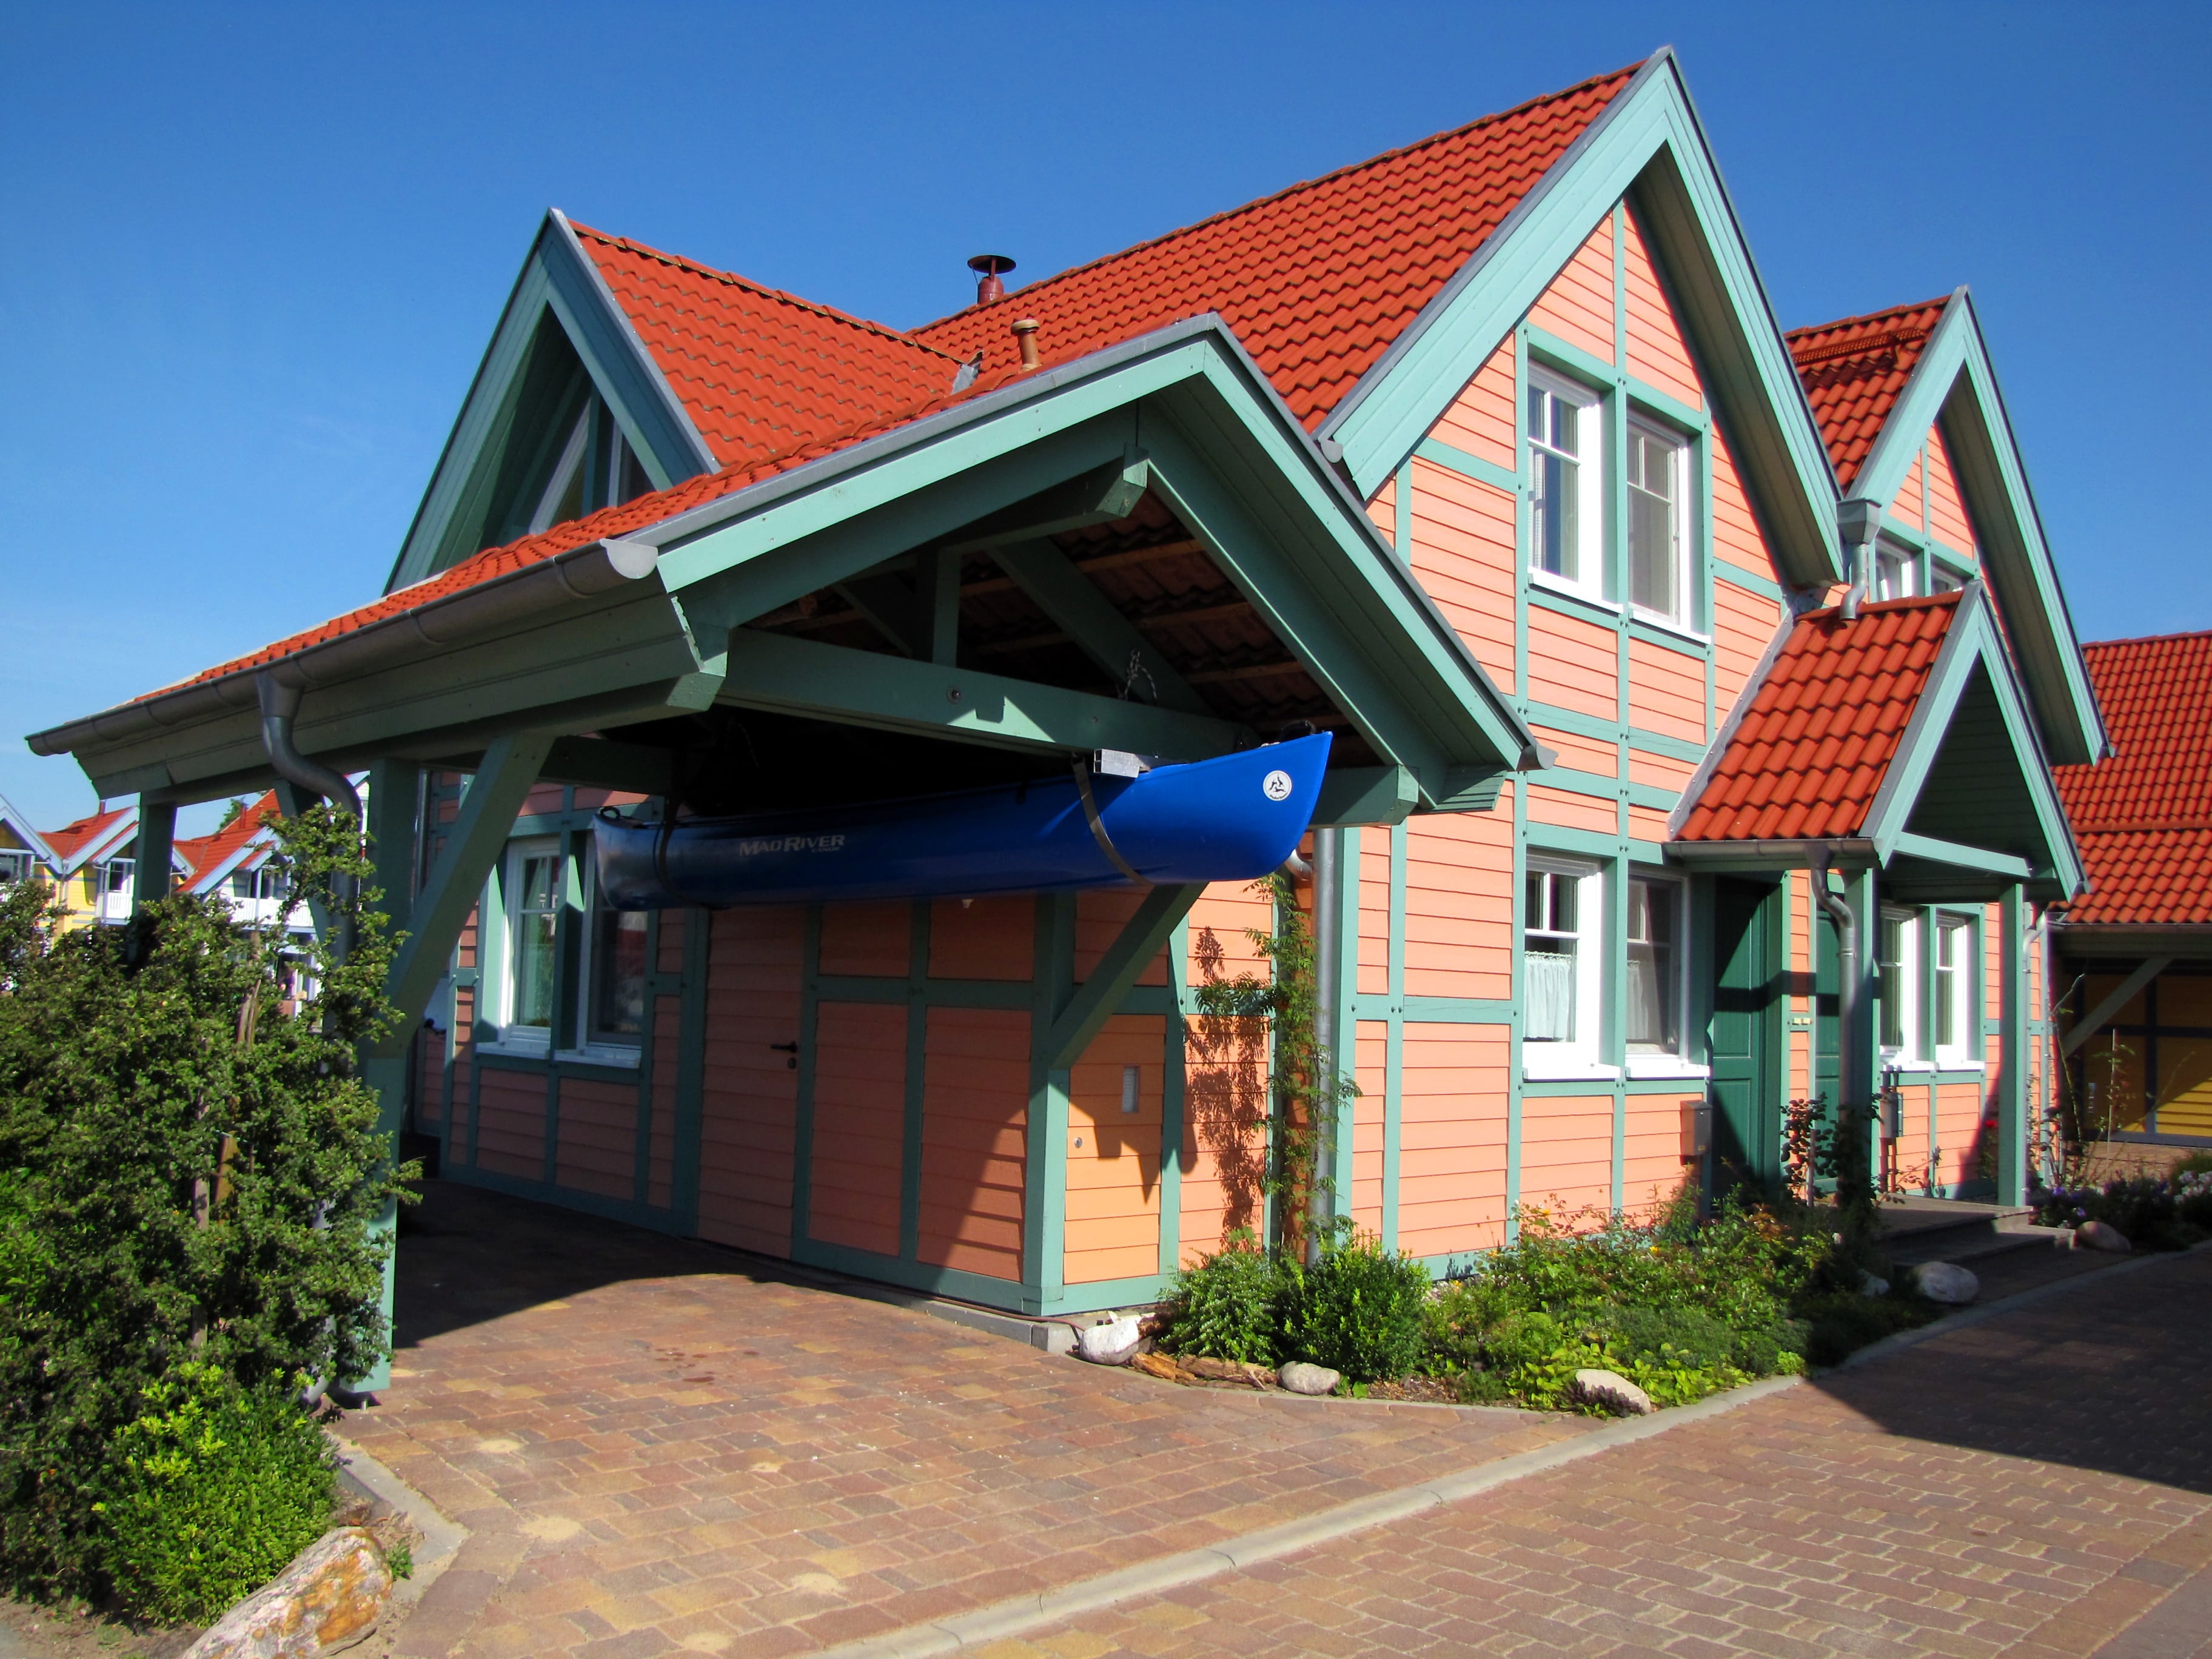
2006, 865
1106, 636
1366, 794
1098, 496
1132, 949
869, 687
2099, 1017
1097, 564
473, 844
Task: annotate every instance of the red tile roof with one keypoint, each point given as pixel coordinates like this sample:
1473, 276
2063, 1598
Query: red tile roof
71, 839
1809, 755
202, 854
2143, 814
762, 372
1316, 280
1854, 372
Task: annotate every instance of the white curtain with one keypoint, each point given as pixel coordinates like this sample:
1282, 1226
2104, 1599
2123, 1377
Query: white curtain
1548, 1008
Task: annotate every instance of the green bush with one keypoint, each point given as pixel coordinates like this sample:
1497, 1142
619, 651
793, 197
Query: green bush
216, 1488
1358, 1309
189, 1165
1227, 1307
1840, 1322
2154, 1212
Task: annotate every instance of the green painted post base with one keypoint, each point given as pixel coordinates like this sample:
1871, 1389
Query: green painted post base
388, 1077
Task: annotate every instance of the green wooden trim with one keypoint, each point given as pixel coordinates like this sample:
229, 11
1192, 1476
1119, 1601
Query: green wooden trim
1908, 845
1453, 458
1603, 612
1670, 639
1518, 983
1174, 1102
893, 694
1647, 142
1099, 998
1658, 743
1750, 580
1065, 594
2013, 1105
1619, 285
474, 842
1454, 1011
1579, 843
917, 1063
1108, 1293
1006, 1294
1353, 795
1393, 1081
1953, 386
1044, 1169
1340, 1031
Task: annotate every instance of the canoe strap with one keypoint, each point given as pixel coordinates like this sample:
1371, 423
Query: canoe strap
1082, 769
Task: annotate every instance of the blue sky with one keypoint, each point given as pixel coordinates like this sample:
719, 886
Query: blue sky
251, 256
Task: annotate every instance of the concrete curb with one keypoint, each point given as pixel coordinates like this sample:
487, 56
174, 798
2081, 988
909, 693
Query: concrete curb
441, 1538
1002, 1619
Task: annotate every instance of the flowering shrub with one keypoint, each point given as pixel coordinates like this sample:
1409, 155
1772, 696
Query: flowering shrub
2168, 1212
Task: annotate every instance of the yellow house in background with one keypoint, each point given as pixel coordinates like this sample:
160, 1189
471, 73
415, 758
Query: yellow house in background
91, 864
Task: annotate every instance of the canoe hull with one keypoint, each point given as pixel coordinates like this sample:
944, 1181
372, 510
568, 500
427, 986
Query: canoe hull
1236, 818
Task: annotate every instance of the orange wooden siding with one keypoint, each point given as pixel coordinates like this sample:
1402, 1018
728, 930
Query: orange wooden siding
1452, 1151
974, 1125
982, 938
1100, 915
1578, 306
1667, 690
1909, 503
1572, 664
511, 1130
1947, 508
596, 1149
748, 1103
1464, 553
1744, 625
1651, 1167
1566, 1154
1579, 753
859, 1125
1370, 1071
1113, 1156
1459, 904
1485, 419
1736, 538
875, 940
1658, 351
1373, 874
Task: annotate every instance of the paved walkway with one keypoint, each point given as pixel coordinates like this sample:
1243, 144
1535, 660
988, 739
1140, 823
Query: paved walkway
660, 1445
2037, 1486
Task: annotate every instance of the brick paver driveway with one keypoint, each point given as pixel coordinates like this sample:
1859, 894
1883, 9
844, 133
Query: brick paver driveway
2038, 1486
660, 1446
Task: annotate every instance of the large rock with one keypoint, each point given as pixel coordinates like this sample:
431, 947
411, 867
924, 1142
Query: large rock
1870, 1285
1299, 1378
2101, 1236
1109, 1343
330, 1597
1613, 1392
1946, 1282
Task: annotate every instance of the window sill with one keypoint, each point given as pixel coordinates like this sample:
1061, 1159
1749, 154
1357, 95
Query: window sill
1666, 1066
500, 1049
1681, 630
1537, 1067
601, 1054
1566, 590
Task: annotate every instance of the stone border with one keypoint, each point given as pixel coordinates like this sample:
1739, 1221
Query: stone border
1002, 1620
441, 1538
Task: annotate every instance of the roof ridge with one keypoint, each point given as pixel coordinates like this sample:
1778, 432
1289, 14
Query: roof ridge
2147, 639
735, 279
1938, 303
1286, 190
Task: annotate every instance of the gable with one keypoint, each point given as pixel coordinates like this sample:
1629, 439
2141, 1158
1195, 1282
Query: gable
1647, 148
1951, 407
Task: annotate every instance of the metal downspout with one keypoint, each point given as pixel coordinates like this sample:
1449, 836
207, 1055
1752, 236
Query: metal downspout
280, 706
1328, 885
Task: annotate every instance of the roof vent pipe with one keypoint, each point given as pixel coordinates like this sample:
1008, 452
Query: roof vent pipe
989, 268
1025, 333
1859, 521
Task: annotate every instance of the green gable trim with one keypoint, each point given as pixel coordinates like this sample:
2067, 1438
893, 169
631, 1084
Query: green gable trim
1649, 146
1455, 460
1954, 387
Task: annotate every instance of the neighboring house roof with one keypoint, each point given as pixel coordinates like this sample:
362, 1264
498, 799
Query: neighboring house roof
762, 373
241, 843
2143, 814
1808, 755
97, 835
1855, 370
1317, 280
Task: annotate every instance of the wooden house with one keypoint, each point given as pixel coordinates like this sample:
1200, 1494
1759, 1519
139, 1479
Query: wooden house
1487, 456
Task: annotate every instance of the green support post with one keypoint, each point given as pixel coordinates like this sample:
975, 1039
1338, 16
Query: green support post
1044, 1194
2011, 1053
393, 796
157, 841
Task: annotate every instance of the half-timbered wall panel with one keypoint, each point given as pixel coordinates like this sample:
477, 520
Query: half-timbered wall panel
1667, 690
1113, 1156
1572, 664
1651, 1167
1100, 915
1744, 625
1580, 753
1566, 1153
1577, 307
1947, 507
1464, 553
511, 1136
1658, 351
975, 1117
1459, 905
1373, 877
1571, 810
859, 1125
866, 938
660, 1149
1371, 1070
597, 1140
1484, 420
1736, 538
1909, 505
1957, 1133
1452, 1137
982, 938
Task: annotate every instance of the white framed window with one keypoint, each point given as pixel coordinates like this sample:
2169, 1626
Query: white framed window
1562, 955
1896, 571
1942, 579
15, 866
1654, 1015
613, 992
1897, 962
1955, 980
1567, 452
533, 894
1659, 522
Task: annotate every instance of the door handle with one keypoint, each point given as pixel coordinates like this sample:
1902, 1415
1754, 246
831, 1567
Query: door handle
791, 1048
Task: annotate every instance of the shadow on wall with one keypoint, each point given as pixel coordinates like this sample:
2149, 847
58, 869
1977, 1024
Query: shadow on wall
1226, 1100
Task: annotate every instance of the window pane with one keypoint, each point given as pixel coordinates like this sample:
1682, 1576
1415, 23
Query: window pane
618, 973
1892, 574
1548, 1013
1654, 997
1892, 965
1566, 426
1940, 581
1651, 551
533, 943
1558, 516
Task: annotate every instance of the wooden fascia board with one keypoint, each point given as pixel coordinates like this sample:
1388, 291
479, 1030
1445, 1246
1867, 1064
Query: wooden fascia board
1954, 387
1971, 642
1772, 434
560, 276
783, 675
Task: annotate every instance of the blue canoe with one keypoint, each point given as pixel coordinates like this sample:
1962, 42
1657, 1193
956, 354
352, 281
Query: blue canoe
1235, 818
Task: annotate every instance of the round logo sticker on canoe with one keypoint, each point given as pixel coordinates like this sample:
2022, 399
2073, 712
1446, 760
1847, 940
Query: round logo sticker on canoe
1276, 785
